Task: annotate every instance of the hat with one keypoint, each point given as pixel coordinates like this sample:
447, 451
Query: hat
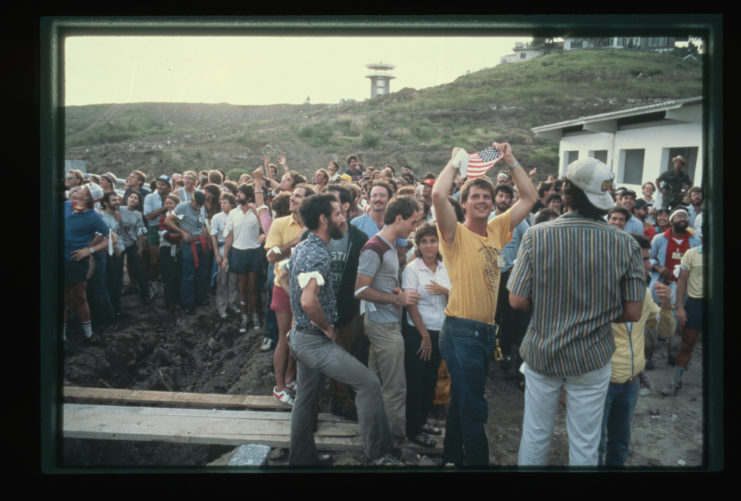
640, 203
177, 176
346, 177
429, 181
165, 179
680, 158
595, 179
95, 191
110, 176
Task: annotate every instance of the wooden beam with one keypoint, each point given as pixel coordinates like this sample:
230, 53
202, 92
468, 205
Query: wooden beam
198, 426
168, 398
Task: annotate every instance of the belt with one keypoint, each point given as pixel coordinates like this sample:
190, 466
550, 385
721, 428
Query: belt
204, 245
629, 382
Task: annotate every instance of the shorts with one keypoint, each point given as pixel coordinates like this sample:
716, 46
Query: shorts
75, 272
153, 236
246, 261
281, 303
694, 308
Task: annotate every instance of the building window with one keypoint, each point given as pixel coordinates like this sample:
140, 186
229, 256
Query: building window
600, 155
632, 168
690, 154
523, 55
568, 157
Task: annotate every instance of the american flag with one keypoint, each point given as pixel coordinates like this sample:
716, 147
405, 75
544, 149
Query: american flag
480, 162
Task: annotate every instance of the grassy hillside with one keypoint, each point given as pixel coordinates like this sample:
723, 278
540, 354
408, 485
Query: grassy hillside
408, 127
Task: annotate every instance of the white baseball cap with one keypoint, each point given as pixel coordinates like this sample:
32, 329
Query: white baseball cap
594, 179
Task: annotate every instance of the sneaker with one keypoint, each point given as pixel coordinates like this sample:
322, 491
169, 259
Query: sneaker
235, 310
255, 322
672, 389
291, 388
645, 384
267, 343
283, 396
424, 440
387, 460
222, 315
431, 429
243, 325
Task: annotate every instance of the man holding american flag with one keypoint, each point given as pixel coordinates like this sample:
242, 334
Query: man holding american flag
472, 254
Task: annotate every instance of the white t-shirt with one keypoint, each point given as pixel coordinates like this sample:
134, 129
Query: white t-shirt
416, 276
246, 228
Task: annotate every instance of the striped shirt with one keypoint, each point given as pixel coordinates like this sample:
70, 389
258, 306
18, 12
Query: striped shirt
577, 273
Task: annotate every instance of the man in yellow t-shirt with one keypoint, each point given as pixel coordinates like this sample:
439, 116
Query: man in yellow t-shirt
283, 236
472, 255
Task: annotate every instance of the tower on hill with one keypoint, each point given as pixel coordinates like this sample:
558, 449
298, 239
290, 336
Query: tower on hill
379, 79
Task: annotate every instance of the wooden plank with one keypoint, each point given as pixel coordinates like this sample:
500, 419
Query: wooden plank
178, 399
197, 426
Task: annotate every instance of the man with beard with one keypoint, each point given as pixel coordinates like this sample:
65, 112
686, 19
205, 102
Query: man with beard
243, 254
695, 208
345, 254
512, 322
312, 341
667, 250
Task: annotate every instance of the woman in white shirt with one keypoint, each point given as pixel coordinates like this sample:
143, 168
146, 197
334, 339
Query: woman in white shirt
421, 329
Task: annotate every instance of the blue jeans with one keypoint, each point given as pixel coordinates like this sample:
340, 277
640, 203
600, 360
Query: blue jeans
135, 266
194, 281
101, 309
620, 403
467, 347
115, 280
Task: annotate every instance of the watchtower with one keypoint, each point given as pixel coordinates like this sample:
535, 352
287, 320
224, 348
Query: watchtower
379, 79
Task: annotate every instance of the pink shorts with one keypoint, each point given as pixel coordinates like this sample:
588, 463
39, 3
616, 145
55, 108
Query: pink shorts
280, 303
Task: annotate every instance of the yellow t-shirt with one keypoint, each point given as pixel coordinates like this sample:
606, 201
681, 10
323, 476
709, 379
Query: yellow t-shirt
692, 262
474, 266
282, 230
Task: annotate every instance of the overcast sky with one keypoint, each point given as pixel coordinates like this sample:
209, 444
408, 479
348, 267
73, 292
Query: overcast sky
263, 70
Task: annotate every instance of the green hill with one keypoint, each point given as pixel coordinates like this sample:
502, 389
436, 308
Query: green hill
409, 127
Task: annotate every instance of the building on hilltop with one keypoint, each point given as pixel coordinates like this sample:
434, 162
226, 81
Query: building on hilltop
637, 144
380, 79
543, 46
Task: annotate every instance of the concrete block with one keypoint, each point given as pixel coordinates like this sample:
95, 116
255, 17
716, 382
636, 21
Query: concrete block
250, 455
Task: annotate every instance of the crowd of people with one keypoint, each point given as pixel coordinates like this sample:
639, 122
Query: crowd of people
381, 281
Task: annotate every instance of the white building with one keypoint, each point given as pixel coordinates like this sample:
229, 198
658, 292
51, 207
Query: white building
658, 44
637, 144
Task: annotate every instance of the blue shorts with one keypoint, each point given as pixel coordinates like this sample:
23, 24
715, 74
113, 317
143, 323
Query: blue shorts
75, 272
694, 308
246, 261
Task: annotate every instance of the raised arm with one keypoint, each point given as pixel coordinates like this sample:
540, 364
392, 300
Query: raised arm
527, 193
444, 211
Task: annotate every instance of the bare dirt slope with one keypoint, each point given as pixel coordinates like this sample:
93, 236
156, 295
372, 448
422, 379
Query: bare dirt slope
155, 350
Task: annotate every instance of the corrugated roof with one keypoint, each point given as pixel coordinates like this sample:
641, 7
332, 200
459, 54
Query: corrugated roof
612, 115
